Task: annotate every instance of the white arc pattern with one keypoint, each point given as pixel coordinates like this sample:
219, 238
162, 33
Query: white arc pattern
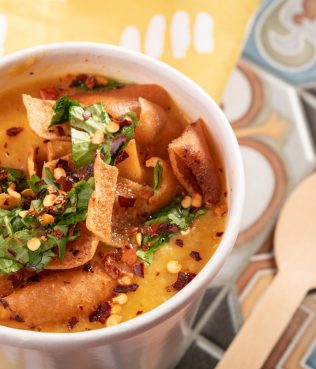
155, 36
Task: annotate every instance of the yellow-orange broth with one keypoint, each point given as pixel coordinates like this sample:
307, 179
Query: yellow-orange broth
153, 290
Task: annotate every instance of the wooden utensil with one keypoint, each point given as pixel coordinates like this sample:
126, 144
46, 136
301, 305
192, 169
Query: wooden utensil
295, 253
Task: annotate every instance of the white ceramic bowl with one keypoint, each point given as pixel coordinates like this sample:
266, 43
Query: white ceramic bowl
152, 340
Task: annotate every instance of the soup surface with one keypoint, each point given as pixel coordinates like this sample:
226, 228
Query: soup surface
138, 202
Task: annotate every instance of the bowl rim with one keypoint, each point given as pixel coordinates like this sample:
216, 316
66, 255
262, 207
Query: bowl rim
125, 330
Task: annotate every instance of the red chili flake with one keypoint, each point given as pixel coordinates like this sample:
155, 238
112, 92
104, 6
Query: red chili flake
139, 312
219, 234
65, 184
88, 268
66, 282
220, 170
179, 242
3, 175
123, 289
112, 267
117, 143
49, 93
138, 269
126, 202
72, 322
183, 279
225, 194
4, 303
72, 230
46, 141
78, 80
195, 255
121, 156
157, 274
57, 233
101, 313
91, 82
157, 229
129, 256
5, 145
14, 131
18, 318
85, 172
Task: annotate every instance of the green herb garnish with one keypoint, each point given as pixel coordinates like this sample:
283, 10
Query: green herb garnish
15, 230
157, 175
61, 109
164, 224
9, 176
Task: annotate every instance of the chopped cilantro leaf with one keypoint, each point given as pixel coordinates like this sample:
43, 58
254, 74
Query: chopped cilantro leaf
157, 175
61, 110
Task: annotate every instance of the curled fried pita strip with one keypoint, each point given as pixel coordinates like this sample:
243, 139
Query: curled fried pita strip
99, 217
124, 218
52, 164
131, 167
8, 202
57, 149
152, 120
125, 99
193, 164
78, 252
169, 186
58, 296
39, 115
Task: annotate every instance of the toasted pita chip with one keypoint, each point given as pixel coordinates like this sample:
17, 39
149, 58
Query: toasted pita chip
193, 164
169, 186
32, 166
99, 217
63, 295
57, 149
39, 114
9, 202
52, 164
125, 217
131, 167
78, 252
125, 99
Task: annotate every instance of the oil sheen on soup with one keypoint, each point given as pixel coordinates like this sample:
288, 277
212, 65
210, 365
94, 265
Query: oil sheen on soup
111, 202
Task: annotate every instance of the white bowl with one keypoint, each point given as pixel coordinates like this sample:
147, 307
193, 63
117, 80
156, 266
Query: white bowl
152, 340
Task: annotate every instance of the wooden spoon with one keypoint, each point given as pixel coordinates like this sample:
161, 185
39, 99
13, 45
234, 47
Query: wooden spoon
295, 253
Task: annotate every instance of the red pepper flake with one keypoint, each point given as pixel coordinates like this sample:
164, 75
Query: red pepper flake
79, 80
72, 322
112, 267
179, 242
157, 274
183, 279
129, 256
138, 269
3, 175
219, 234
157, 229
139, 312
88, 268
49, 93
225, 194
126, 202
123, 289
117, 143
5, 145
57, 233
18, 318
91, 82
195, 255
220, 170
4, 303
14, 131
102, 312
121, 156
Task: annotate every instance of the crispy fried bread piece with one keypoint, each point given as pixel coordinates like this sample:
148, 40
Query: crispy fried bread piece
57, 149
78, 252
58, 297
99, 217
125, 99
131, 167
168, 188
193, 165
39, 114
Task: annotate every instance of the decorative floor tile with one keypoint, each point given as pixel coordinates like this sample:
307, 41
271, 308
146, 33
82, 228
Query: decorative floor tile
196, 358
207, 301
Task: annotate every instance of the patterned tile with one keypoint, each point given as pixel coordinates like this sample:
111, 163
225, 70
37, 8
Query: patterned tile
208, 298
197, 358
